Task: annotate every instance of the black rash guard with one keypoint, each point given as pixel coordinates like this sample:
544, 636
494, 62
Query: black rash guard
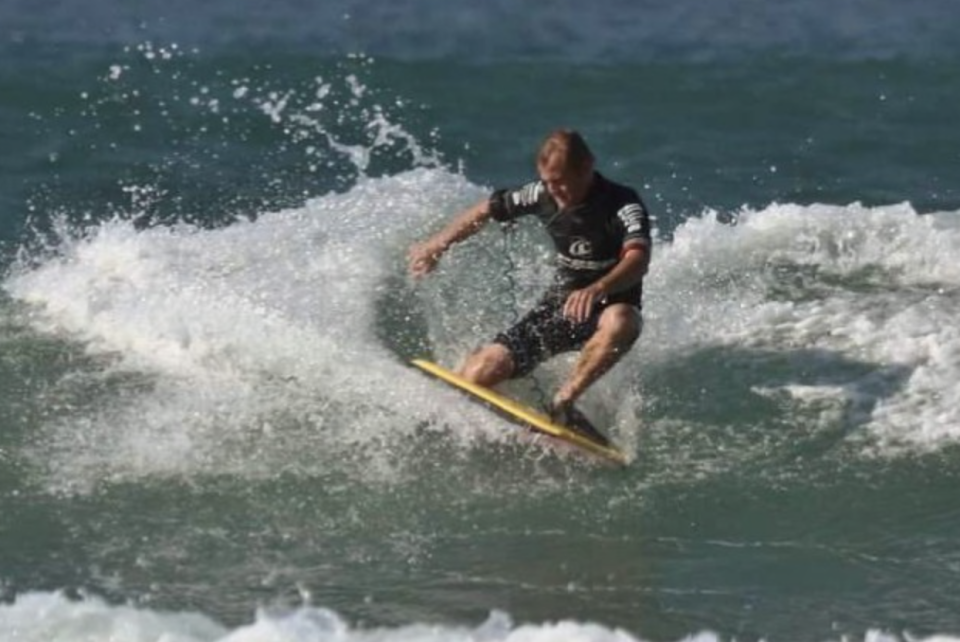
589, 237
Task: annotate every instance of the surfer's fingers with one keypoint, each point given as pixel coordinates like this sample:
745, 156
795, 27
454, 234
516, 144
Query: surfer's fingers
421, 259
578, 305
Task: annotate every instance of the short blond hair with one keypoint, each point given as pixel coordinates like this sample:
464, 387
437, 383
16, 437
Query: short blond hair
569, 145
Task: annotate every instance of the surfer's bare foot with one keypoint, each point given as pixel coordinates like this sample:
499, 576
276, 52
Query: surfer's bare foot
566, 414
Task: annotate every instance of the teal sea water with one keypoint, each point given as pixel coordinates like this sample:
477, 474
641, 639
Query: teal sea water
208, 430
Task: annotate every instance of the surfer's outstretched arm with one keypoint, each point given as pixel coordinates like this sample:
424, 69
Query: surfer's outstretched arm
423, 257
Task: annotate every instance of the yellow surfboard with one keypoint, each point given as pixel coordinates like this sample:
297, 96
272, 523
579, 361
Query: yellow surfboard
523, 415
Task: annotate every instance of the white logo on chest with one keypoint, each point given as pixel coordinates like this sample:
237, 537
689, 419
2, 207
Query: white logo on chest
580, 247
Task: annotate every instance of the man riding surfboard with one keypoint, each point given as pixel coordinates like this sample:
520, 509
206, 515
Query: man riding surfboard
601, 232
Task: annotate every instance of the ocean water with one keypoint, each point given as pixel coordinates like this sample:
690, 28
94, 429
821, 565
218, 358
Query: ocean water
208, 428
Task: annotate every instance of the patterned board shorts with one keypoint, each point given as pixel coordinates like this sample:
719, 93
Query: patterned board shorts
544, 332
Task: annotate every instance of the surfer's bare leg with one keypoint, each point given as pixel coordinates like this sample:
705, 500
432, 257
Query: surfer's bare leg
618, 329
488, 366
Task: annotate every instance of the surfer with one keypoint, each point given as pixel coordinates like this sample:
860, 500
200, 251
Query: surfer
601, 232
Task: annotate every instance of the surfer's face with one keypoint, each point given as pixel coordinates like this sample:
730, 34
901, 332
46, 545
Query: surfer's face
567, 185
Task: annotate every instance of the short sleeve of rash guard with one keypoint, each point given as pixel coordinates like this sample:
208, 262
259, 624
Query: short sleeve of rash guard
636, 223
508, 204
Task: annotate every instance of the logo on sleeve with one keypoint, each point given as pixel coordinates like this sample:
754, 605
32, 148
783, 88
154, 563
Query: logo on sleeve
527, 195
632, 218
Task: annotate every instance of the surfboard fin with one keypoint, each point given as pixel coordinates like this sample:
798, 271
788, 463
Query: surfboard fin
572, 418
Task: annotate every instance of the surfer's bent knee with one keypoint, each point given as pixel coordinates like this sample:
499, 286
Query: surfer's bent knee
622, 324
489, 365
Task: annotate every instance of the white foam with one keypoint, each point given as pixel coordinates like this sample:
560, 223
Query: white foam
258, 340
873, 286
240, 332
47, 617
51, 616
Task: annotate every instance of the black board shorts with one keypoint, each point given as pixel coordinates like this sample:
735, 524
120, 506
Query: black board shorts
544, 331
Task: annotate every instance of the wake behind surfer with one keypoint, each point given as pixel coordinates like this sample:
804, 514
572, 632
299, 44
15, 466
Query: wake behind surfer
601, 232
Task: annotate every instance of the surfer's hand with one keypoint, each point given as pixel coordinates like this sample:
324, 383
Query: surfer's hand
580, 303
422, 259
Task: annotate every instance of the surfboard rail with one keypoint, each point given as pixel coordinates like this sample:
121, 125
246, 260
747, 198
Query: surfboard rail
521, 414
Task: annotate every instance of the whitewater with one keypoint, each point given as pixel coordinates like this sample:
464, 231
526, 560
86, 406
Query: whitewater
209, 429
